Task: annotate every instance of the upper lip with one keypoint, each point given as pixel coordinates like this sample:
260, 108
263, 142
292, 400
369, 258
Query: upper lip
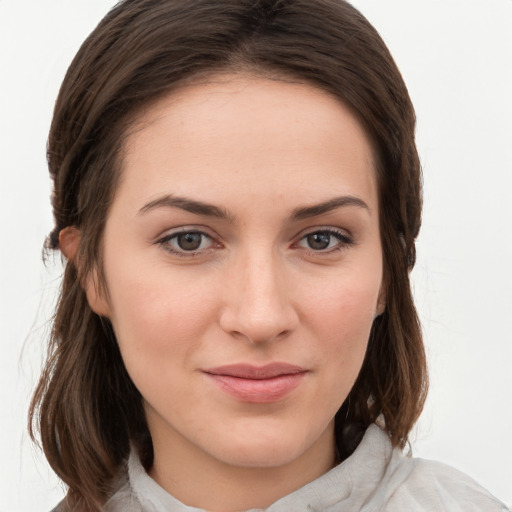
249, 371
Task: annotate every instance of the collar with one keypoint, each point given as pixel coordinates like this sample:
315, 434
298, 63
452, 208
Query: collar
349, 484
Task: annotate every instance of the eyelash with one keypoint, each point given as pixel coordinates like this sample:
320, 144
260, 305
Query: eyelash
165, 242
344, 241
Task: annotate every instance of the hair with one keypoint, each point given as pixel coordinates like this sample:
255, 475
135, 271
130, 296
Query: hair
86, 409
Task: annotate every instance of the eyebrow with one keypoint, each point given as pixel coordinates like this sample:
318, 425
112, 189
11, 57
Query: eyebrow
189, 205
328, 206
210, 210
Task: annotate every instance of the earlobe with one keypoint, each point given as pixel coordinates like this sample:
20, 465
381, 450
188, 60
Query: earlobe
69, 242
381, 307
96, 299
381, 302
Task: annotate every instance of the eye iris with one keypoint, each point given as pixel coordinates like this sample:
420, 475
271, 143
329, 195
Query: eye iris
189, 241
318, 241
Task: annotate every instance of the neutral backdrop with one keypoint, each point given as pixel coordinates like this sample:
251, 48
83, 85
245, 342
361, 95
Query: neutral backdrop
456, 57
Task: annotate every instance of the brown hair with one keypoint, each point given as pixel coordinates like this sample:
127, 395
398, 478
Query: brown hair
85, 406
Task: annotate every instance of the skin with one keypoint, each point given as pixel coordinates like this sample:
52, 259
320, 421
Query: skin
255, 291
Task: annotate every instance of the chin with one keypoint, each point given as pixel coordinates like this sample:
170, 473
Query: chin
266, 447
259, 454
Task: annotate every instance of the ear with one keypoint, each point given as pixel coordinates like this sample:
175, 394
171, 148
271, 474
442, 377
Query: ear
69, 242
95, 295
381, 301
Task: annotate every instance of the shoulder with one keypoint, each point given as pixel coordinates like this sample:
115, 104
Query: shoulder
428, 485
123, 501
397, 482
121, 498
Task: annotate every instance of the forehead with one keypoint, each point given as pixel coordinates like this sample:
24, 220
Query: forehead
258, 135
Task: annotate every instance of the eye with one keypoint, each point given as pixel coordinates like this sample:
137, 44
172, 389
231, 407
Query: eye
191, 242
325, 240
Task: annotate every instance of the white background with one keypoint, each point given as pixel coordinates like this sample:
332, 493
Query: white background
456, 57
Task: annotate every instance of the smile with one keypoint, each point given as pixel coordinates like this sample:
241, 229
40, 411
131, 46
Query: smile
254, 384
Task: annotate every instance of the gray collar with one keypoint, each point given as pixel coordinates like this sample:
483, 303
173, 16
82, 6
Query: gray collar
348, 485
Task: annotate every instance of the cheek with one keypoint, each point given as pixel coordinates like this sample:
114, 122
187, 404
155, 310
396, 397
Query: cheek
344, 319
157, 318
341, 315
346, 302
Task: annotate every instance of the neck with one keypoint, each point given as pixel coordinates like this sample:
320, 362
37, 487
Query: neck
199, 480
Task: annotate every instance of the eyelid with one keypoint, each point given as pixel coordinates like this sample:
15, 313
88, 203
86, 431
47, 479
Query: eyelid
345, 233
164, 239
344, 237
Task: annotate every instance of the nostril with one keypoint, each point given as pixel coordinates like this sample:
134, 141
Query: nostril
257, 329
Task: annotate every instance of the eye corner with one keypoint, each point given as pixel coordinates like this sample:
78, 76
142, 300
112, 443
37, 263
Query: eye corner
188, 242
324, 240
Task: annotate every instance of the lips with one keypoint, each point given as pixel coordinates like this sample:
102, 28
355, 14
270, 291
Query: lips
257, 384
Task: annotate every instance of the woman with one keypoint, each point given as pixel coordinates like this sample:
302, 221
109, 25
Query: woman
237, 193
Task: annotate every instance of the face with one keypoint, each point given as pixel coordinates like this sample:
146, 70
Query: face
243, 265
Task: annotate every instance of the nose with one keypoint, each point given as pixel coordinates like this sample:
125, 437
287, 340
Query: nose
258, 304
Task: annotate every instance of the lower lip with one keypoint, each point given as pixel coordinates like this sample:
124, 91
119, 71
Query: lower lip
261, 391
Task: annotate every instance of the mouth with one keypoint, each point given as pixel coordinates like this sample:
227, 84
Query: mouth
257, 384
